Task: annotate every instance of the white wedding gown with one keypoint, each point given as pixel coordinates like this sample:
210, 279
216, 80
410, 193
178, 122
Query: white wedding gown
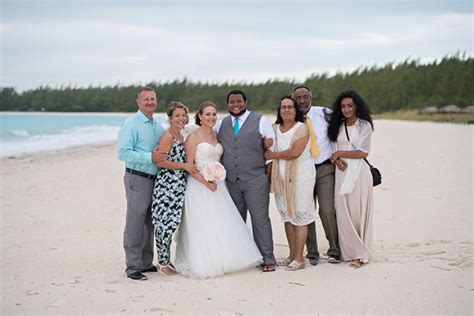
212, 238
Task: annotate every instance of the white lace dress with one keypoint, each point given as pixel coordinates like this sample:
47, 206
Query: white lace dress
212, 238
304, 210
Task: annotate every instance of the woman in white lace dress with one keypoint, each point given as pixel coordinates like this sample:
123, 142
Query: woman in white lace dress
350, 127
293, 177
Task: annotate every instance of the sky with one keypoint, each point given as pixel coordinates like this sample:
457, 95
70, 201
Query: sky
109, 42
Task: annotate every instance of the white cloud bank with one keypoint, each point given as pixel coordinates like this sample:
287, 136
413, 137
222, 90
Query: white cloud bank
216, 44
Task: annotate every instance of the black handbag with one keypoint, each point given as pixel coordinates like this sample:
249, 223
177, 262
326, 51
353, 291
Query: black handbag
376, 175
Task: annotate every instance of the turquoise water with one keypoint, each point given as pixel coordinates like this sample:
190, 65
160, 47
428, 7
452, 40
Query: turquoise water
23, 125
32, 132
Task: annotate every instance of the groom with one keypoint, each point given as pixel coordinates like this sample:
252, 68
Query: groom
243, 134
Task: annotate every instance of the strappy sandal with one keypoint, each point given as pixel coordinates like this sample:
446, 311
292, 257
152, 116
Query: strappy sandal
283, 262
268, 267
167, 269
355, 264
295, 265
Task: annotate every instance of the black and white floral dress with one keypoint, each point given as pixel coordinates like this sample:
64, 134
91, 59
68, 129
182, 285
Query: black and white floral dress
168, 202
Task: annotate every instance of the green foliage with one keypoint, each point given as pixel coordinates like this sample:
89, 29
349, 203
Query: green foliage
9, 99
413, 115
392, 87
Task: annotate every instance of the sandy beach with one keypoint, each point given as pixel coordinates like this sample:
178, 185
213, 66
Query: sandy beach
63, 212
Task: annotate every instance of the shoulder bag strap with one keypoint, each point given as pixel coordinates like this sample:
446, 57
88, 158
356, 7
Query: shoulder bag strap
347, 135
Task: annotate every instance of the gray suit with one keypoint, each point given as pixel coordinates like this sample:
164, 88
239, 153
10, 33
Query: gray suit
246, 178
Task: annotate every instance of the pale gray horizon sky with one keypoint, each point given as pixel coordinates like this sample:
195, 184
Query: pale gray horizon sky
105, 42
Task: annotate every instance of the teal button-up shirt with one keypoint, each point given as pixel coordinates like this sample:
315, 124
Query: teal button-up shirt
137, 138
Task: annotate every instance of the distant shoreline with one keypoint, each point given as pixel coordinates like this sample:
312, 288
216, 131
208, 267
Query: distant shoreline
409, 115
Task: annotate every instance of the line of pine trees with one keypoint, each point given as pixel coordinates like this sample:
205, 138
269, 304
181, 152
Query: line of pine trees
406, 85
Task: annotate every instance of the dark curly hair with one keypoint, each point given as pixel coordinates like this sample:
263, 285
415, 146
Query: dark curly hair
337, 118
299, 115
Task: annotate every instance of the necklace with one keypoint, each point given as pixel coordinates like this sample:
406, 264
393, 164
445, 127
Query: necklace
178, 136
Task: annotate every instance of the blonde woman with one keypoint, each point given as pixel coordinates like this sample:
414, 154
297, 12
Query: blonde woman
170, 185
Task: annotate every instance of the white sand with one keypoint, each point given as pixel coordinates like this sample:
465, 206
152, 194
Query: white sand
62, 215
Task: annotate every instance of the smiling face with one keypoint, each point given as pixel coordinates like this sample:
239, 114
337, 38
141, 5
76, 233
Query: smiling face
236, 105
287, 111
208, 117
178, 118
348, 109
303, 99
147, 103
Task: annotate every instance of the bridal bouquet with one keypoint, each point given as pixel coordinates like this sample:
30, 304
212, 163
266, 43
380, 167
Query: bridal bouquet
214, 171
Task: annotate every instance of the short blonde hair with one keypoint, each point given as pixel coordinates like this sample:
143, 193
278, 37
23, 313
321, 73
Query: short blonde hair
177, 105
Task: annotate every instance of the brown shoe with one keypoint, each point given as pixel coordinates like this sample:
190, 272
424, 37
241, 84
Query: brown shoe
268, 267
167, 269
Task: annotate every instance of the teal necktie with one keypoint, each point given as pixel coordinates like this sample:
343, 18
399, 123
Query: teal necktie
236, 126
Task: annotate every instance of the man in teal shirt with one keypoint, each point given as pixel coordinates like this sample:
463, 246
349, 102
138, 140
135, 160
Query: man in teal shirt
137, 139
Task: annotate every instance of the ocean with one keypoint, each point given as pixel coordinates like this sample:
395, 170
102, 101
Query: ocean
23, 133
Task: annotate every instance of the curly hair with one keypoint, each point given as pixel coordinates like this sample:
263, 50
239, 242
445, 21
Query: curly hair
337, 118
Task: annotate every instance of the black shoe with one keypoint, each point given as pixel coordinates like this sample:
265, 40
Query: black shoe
137, 276
150, 269
334, 259
313, 261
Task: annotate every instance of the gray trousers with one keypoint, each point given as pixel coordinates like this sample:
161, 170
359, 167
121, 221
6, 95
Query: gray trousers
254, 196
324, 196
138, 232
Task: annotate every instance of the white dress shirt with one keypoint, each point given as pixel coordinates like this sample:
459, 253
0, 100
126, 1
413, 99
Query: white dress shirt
320, 127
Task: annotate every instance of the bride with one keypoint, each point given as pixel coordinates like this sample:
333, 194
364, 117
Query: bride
212, 238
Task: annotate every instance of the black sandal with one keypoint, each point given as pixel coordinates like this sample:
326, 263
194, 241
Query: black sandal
268, 267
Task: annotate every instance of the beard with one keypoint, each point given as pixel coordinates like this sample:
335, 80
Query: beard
304, 110
238, 114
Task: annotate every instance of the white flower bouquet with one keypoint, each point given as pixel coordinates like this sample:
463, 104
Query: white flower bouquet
214, 171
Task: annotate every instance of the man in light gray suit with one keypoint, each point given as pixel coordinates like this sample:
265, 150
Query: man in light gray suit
245, 135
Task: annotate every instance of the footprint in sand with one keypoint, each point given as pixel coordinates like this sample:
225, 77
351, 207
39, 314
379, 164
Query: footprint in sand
158, 309
432, 253
57, 303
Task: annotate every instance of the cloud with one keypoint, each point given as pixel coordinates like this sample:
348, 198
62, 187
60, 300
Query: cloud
106, 44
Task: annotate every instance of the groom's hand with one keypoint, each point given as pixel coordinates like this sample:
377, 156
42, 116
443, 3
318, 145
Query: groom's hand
267, 143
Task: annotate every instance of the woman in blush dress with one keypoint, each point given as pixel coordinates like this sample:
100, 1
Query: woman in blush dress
350, 127
293, 177
212, 239
168, 194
